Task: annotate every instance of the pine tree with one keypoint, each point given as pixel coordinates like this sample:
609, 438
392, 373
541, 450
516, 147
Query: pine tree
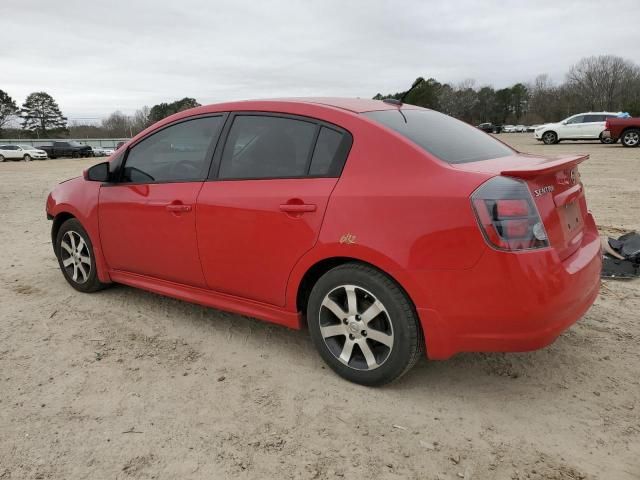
8, 108
40, 112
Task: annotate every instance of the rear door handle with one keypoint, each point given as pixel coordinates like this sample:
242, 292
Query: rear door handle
178, 207
298, 207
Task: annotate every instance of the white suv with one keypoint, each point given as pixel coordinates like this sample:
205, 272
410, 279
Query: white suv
21, 152
583, 126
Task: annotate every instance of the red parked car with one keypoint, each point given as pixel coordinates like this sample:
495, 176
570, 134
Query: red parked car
387, 228
625, 129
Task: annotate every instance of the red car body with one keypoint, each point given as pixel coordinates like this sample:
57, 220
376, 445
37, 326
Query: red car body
255, 246
619, 128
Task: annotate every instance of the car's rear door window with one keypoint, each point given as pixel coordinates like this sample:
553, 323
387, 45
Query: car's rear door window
265, 146
178, 153
329, 153
445, 137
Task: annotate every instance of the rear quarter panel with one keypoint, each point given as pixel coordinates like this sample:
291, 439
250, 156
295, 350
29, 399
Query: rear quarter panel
400, 210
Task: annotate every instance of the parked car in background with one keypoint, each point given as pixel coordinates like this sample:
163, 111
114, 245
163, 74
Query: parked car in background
520, 128
293, 212
508, 128
583, 126
67, 149
532, 128
490, 127
21, 152
627, 130
102, 151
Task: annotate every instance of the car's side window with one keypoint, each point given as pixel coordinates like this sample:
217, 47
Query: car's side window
263, 146
174, 154
594, 118
325, 154
578, 119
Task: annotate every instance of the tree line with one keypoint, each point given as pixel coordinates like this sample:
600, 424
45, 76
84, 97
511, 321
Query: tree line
41, 117
604, 82
598, 83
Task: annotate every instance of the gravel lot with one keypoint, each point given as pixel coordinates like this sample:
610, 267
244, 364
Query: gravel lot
127, 384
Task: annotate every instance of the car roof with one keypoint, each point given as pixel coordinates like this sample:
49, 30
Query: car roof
355, 105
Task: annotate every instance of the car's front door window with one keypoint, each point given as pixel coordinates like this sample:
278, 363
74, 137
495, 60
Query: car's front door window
178, 153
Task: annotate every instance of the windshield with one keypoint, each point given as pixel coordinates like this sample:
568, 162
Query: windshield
76, 144
27, 147
441, 135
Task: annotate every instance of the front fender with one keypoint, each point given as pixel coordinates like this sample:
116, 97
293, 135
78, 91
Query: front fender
79, 198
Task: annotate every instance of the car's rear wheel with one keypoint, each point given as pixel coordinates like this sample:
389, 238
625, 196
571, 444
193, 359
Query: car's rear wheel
606, 140
631, 138
363, 325
549, 138
27, 158
1, 158
75, 257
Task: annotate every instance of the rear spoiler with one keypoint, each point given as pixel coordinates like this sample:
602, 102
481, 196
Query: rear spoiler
545, 167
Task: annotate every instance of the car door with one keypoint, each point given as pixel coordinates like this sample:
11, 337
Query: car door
147, 217
593, 126
11, 152
572, 128
264, 205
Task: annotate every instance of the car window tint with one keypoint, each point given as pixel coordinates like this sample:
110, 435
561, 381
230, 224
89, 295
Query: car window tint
578, 119
267, 147
325, 152
594, 118
445, 137
176, 153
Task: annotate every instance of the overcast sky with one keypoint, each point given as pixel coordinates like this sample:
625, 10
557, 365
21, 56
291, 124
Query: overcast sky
95, 57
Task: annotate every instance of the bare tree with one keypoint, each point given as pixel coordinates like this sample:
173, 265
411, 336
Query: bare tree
603, 82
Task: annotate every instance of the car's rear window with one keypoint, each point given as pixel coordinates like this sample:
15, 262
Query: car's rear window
445, 137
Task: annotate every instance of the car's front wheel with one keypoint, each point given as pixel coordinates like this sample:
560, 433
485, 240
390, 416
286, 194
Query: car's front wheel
75, 257
363, 325
27, 158
549, 138
1, 158
631, 138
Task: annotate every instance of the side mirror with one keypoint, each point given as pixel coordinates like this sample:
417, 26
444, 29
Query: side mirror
97, 173
564, 122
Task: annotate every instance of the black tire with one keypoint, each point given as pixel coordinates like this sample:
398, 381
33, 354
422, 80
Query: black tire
397, 317
27, 158
90, 282
549, 138
1, 158
75, 155
607, 140
630, 138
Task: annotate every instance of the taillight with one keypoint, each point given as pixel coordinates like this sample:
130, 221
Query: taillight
507, 215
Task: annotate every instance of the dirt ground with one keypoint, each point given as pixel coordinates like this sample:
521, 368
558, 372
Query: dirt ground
127, 384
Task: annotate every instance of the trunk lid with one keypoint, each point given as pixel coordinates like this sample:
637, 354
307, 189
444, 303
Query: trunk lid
556, 189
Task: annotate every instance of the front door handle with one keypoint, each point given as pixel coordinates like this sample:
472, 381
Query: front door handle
298, 207
178, 208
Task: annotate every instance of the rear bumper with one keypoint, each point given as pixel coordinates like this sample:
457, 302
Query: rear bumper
510, 302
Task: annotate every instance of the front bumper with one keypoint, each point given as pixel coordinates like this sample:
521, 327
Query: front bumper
510, 302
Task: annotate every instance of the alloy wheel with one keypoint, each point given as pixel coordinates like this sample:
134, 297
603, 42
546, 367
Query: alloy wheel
356, 327
632, 138
75, 256
549, 138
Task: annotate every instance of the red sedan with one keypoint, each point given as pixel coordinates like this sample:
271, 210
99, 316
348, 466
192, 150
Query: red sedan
387, 228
